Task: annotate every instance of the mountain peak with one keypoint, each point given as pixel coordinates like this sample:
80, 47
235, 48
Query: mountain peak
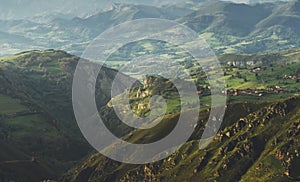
294, 6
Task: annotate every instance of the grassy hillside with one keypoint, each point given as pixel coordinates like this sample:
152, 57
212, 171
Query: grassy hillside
36, 115
258, 140
38, 129
262, 28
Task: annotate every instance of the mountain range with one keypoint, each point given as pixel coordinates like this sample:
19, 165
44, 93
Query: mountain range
40, 139
19, 9
259, 138
257, 45
257, 142
227, 27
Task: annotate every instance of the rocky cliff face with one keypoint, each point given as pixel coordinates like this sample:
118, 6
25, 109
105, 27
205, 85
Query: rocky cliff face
256, 142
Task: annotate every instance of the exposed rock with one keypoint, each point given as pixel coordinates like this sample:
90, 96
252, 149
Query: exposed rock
228, 134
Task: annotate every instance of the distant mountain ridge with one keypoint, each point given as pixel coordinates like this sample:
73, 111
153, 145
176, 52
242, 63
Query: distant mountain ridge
241, 28
228, 27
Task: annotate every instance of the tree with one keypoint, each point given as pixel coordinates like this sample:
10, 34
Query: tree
238, 74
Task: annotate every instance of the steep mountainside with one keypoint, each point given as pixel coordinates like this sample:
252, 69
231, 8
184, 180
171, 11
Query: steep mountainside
259, 139
97, 23
227, 16
38, 129
247, 28
257, 142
